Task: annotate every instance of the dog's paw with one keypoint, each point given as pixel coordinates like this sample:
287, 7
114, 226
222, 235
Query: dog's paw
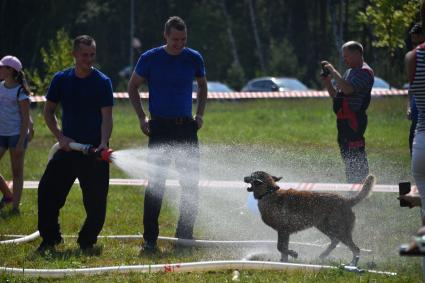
292, 253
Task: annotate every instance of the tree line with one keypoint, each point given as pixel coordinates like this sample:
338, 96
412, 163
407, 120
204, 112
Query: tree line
239, 39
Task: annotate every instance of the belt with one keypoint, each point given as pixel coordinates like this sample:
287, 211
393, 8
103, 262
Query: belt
172, 120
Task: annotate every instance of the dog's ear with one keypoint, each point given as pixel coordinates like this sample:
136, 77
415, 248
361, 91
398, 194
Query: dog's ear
276, 178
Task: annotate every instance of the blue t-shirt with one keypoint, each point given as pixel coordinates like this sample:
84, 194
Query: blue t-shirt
81, 100
169, 79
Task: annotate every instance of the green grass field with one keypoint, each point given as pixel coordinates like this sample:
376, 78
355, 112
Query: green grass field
292, 138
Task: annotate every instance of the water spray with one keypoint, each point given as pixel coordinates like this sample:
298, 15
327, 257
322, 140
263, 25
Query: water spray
87, 149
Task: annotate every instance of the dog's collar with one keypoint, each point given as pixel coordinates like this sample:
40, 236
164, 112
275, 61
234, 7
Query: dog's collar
269, 191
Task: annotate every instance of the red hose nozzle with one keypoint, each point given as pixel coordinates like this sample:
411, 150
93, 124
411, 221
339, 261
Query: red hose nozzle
106, 154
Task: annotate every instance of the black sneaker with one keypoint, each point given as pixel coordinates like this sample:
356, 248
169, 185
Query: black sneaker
44, 247
48, 246
86, 247
91, 250
5, 201
184, 236
15, 211
149, 247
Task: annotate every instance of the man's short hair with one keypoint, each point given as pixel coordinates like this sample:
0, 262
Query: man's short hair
353, 46
416, 29
174, 22
83, 39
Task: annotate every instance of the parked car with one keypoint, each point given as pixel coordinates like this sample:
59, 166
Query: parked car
213, 87
274, 84
380, 84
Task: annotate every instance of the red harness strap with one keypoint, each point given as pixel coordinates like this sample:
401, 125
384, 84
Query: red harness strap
345, 113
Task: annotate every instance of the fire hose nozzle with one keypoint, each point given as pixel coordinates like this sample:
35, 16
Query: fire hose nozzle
88, 149
106, 154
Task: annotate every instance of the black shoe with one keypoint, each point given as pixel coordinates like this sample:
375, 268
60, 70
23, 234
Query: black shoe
5, 201
49, 246
86, 247
15, 211
184, 236
184, 232
45, 246
149, 247
91, 250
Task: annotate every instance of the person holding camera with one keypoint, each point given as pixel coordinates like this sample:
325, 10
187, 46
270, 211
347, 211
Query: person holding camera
351, 94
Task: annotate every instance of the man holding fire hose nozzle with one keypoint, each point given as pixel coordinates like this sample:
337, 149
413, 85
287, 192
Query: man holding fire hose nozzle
86, 97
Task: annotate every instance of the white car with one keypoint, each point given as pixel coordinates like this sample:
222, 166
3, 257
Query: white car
380, 84
274, 84
213, 87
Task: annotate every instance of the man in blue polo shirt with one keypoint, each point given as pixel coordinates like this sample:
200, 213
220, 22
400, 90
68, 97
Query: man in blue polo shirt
86, 97
169, 71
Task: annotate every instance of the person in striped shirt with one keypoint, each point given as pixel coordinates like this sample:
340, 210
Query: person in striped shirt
415, 69
351, 95
417, 37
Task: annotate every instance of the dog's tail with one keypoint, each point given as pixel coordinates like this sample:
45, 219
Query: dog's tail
367, 187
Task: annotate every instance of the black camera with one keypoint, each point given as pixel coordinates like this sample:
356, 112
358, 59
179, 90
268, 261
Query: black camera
403, 189
325, 72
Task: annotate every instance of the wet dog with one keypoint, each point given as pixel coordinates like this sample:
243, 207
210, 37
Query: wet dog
290, 211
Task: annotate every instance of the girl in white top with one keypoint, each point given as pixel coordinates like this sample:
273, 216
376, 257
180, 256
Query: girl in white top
15, 124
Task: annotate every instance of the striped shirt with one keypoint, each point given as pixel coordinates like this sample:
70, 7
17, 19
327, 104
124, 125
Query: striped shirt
361, 79
417, 86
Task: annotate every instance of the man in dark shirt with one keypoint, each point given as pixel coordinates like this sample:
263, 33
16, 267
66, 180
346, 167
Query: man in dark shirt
351, 97
86, 97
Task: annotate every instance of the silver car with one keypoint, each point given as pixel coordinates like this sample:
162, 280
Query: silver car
274, 84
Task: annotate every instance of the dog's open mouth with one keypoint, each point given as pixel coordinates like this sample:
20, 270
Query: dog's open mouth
253, 183
250, 188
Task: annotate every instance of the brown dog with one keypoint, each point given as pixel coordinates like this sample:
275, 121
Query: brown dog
290, 211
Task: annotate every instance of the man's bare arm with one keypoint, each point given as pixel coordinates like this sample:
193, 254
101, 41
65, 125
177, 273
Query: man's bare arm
201, 98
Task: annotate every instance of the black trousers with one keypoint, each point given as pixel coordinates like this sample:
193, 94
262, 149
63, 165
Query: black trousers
172, 140
54, 187
352, 148
356, 164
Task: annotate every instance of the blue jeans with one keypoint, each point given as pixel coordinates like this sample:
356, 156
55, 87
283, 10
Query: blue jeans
12, 141
418, 171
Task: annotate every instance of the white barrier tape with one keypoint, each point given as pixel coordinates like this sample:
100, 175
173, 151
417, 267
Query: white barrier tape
176, 267
330, 187
255, 95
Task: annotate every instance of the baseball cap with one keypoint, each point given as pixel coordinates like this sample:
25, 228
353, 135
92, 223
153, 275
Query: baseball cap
11, 61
